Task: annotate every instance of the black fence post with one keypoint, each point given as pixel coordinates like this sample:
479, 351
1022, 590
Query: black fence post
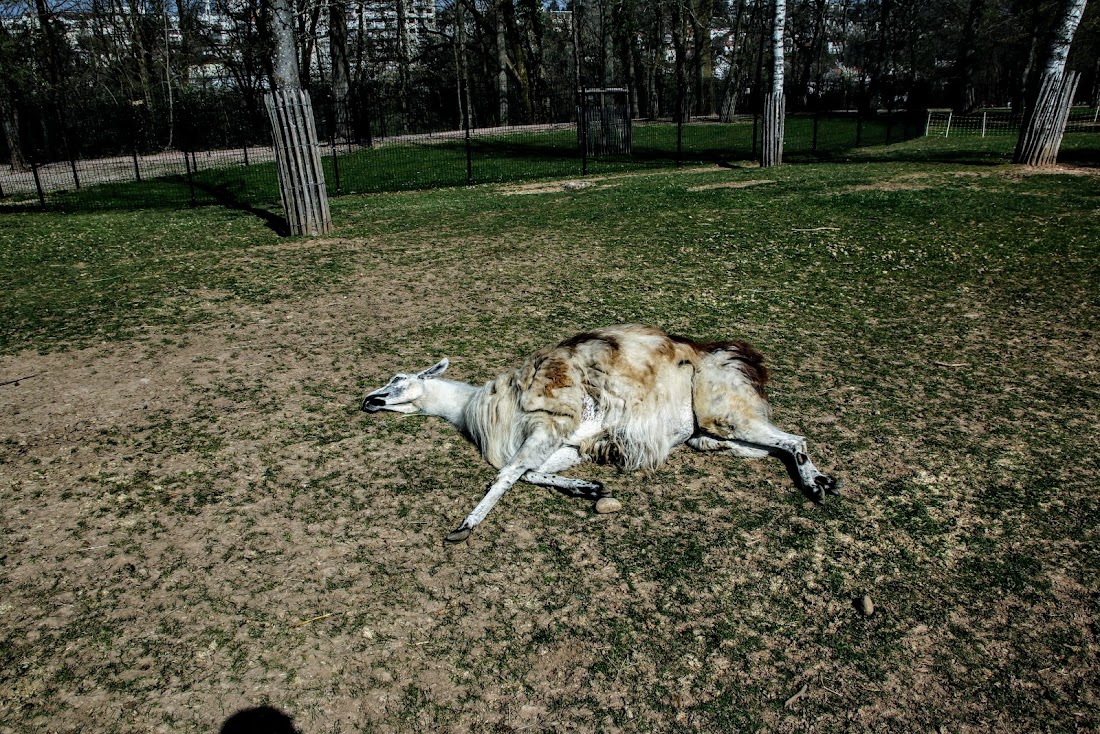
366, 115
859, 128
813, 145
190, 176
679, 119
755, 132
680, 137
332, 142
134, 150
583, 130
38, 183
466, 130
67, 138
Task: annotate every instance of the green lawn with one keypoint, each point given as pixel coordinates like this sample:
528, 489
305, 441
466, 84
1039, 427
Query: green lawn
197, 520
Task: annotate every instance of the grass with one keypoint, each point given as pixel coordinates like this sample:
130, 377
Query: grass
931, 328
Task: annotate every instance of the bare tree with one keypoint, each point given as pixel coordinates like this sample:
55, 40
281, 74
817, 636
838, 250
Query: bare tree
15, 76
774, 105
341, 67
962, 92
301, 178
1045, 118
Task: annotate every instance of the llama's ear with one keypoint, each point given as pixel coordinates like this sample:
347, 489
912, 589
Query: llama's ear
436, 370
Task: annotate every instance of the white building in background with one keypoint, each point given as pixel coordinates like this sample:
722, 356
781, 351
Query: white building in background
378, 20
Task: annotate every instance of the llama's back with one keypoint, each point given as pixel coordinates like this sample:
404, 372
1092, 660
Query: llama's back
644, 383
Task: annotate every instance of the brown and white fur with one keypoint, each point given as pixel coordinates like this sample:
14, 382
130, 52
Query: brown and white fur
624, 395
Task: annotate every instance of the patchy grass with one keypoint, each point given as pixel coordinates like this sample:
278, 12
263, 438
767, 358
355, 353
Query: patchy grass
197, 521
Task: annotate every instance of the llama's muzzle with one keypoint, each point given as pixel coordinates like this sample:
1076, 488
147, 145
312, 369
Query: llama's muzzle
373, 403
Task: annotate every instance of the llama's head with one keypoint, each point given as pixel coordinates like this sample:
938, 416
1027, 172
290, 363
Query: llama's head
403, 393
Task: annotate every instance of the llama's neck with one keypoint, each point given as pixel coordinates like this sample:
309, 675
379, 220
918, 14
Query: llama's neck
448, 399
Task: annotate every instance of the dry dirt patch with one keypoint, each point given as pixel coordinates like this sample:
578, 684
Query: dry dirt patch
731, 185
553, 187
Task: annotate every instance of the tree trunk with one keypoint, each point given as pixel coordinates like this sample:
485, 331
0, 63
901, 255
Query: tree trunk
963, 88
774, 107
465, 109
680, 49
9, 120
731, 89
297, 153
801, 93
703, 57
341, 68
285, 62
404, 54
502, 65
308, 35
1045, 117
534, 24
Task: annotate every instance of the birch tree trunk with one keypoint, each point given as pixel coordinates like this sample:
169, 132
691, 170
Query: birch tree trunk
341, 68
1045, 118
502, 65
297, 154
771, 153
404, 54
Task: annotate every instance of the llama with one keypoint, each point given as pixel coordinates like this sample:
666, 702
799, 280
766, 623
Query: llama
623, 395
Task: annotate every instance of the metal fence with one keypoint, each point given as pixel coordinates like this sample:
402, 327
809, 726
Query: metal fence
211, 155
1000, 122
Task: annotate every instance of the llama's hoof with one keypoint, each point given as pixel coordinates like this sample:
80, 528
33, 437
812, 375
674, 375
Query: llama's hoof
600, 490
823, 485
458, 535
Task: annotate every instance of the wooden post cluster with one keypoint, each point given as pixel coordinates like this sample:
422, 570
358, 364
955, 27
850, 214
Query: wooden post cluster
1045, 125
297, 153
771, 151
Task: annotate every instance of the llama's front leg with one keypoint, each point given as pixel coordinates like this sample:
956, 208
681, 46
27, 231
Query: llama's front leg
562, 459
538, 447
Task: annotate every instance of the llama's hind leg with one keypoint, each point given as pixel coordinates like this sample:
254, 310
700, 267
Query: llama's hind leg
534, 452
762, 434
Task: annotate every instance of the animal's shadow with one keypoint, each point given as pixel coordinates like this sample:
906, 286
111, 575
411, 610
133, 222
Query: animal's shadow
260, 720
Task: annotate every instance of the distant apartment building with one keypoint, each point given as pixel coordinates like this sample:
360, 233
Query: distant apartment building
378, 22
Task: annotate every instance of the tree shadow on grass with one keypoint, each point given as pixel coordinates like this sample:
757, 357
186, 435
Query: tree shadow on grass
224, 196
261, 720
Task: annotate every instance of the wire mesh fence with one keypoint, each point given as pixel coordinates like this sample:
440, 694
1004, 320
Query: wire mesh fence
218, 156
1001, 122
218, 149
